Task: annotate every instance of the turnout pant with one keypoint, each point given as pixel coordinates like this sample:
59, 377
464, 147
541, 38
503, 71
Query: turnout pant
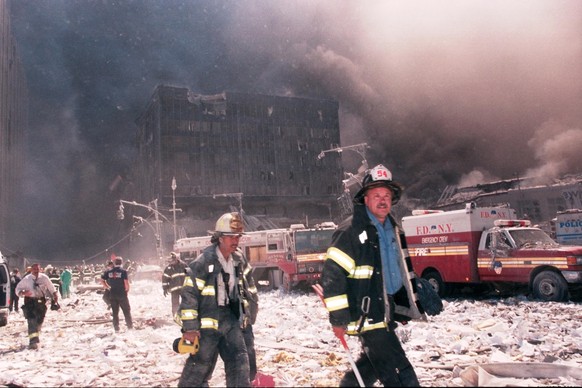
175, 301
249, 338
228, 342
382, 359
34, 310
120, 301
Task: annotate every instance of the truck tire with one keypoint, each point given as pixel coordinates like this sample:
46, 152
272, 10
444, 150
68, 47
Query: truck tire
436, 281
550, 286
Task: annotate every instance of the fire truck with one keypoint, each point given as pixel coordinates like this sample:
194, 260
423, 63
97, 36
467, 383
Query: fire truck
285, 257
479, 246
568, 227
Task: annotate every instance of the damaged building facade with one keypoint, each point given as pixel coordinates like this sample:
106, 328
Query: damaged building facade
13, 124
234, 151
536, 202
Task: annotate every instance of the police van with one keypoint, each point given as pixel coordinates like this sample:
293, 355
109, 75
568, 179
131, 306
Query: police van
4, 291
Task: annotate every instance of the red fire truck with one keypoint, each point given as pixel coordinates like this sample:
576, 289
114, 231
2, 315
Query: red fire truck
489, 246
286, 257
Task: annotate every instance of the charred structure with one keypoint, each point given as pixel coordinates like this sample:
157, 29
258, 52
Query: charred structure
536, 202
13, 123
253, 152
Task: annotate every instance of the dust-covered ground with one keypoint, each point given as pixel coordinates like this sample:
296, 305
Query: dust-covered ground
294, 343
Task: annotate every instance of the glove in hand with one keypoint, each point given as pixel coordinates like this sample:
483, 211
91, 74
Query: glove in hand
429, 299
55, 306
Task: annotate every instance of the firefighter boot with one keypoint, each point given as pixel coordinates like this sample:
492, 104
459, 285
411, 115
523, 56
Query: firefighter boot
407, 377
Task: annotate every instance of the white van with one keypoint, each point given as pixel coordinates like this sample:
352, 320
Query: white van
4, 291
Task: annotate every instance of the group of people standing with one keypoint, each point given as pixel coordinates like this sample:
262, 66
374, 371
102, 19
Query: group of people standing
367, 282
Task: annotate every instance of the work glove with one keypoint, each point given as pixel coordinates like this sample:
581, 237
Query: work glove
191, 336
165, 292
55, 306
429, 299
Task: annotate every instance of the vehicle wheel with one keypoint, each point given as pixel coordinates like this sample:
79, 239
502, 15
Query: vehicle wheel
550, 286
436, 281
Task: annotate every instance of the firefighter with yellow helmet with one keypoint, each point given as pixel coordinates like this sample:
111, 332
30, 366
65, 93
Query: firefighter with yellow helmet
173, 280
213, 311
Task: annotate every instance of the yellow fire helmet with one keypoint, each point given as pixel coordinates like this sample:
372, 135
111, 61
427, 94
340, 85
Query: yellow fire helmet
229, 224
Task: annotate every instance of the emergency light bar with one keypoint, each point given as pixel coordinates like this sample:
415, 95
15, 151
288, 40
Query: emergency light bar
510, 223
421, 212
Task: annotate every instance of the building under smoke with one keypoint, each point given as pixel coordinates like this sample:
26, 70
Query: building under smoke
13, 123
239, 150
538, 203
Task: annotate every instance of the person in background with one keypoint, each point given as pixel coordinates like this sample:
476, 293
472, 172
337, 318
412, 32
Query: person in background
36, 288
115, 280
66, 279
14, 280
107, 292
173, 280
212, 311
366, 284
55, 277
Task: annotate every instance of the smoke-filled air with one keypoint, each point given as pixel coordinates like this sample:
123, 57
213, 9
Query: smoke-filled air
451, 92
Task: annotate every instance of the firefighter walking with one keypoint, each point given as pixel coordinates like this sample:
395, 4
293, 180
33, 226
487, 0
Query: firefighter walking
212, 310
173, 280
36, 288
366, 284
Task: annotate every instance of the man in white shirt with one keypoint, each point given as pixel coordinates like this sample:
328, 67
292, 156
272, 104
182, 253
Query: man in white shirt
36, 288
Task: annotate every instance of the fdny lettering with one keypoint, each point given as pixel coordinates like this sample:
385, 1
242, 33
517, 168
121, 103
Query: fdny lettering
494, 214
114, 275
434, 229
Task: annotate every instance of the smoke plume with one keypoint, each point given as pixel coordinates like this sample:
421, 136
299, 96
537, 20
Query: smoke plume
441, 91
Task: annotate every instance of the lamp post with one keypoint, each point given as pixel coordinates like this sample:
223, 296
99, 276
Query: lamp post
361, 150
351, 179
174, 204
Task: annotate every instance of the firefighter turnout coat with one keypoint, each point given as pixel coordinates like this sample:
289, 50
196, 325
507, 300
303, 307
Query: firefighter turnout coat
352, 274
199, 304
174, 276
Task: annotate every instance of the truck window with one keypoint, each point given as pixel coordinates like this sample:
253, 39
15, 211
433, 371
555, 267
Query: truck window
313, 241
272, 247
502, 241
531, 237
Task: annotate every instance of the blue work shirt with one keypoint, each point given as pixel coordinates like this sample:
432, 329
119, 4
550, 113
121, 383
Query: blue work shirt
390, 254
